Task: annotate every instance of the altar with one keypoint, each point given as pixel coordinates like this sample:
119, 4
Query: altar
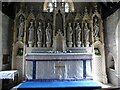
59, 45
58, 66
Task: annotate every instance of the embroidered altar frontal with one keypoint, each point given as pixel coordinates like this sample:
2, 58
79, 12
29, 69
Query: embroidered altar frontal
58, 68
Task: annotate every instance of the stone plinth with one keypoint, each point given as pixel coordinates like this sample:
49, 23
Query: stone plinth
78, 44
30, 43
48, 44
39, 44
69, 44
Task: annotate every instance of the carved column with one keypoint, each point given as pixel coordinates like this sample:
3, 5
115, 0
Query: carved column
44, 34
99, 60
82, 40
24, 50
91, 25
14, 40
35, 34
54, 17
74, 35
103, 54
64, 30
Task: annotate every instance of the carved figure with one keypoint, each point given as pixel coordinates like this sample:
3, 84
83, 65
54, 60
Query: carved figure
86, 30
70, 32
48, 33
21, 27
78, 32
39, 32
96, 28
31, 31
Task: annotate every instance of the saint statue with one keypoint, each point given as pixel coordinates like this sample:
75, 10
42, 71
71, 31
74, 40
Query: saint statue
78, 32
69, 33
86, 30
39, 32
21, 27
48, 33
31, 31
96, 28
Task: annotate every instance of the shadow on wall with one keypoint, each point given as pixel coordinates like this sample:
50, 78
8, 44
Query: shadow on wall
110, 62
111, 70
97, 51
19, 48
98, 48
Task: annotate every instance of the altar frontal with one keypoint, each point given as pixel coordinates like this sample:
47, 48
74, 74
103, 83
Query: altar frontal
58, 66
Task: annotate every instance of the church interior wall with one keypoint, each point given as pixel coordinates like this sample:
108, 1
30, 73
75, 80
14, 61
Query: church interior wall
110, 24
7, 31
6, 39
81, 6
118, 44
5, 43
0, 47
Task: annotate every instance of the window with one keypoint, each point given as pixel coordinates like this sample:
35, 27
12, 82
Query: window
67, 7
50, 7
55, 3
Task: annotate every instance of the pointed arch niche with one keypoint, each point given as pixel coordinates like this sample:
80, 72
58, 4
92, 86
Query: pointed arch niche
18, 41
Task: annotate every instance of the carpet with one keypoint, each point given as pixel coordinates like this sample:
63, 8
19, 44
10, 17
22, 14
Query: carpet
85, 84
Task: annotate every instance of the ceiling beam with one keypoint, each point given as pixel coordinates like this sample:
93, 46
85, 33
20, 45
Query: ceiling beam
111, 10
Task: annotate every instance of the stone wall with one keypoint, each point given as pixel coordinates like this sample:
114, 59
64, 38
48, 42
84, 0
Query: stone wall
111, 46
6, 34
0, 46
5, 39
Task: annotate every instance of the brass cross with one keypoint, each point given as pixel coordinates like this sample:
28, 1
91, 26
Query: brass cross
60, 66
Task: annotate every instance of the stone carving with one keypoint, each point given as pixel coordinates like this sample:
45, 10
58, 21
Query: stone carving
59, 42
78, 32
48, 33
86, 30
39, 32
69, 33
96, 28
31, 32
21, 27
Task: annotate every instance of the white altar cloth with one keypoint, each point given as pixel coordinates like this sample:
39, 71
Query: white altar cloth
8, 74
55, 66
44, 56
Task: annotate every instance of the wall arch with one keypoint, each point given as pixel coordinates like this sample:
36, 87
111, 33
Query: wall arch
110, 61
117, 33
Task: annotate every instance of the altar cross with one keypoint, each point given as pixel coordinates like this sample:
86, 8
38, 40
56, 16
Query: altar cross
60, 66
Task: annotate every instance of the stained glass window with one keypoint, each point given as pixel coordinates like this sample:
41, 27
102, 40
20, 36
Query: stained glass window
55, 3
